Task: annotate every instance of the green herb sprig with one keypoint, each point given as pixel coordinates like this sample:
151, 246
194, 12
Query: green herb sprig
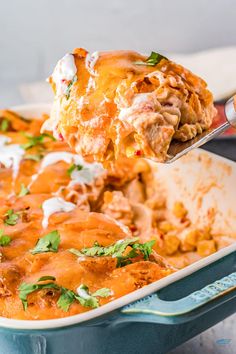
11, 217
35, 140
5, 240
23, 191
4, 125
67, 296
69, 87
152, 60
74, 167
117, 250
48, 243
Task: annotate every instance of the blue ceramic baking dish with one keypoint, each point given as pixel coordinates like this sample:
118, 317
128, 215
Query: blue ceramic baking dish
166, 313
154, 324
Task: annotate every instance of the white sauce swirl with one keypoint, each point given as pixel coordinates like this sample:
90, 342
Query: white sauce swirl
64, 72
86, 175
10, 155
90, 62
54, 205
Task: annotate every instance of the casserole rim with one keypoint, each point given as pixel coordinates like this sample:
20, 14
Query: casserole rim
30, 110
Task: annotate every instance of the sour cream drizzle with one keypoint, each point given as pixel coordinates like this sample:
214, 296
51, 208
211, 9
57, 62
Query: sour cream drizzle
86, 175
63, 73
54, 205
90, 62
10, 155
82, 293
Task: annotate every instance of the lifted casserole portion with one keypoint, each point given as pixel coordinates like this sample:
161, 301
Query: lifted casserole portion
122, 103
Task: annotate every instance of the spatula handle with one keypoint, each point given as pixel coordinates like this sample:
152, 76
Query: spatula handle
230, 111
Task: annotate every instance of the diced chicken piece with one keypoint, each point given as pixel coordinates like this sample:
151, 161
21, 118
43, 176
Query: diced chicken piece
171, 244
118, 207
134, 191
179, 210
10, 276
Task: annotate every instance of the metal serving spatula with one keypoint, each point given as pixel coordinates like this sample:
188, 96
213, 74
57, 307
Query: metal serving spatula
178, 149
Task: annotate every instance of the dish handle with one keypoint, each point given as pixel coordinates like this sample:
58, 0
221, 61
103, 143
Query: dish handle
153, 309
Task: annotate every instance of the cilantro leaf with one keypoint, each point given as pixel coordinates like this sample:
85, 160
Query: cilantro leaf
74, 167
27, 288
4, 125
152, 60
68, 89
85, 298
11, 217
35, 140
48, 243
46, 277
103, 292
23, 191
144, 248
117, 250
67, 296
4, 239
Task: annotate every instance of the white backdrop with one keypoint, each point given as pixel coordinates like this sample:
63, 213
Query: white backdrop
34, 34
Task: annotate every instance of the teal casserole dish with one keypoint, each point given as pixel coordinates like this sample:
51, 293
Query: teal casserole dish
163, 314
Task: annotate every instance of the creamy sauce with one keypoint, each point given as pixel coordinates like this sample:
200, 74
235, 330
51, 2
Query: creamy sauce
90, 62
54, 205
4, 140
139, 101
86, 175
82, 293
63, 73
51, 124
123, 227
10, 155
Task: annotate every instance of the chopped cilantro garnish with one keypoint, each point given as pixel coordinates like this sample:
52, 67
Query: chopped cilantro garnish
67, 296
90, 300
48, 243
11, 217
74, 167
4, 125
117, 250
68, 89
152, 60
23, 191
47, 277
36, 140
27, 288
4, 239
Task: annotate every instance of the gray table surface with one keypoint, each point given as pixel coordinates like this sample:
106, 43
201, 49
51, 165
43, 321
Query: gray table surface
220, 339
